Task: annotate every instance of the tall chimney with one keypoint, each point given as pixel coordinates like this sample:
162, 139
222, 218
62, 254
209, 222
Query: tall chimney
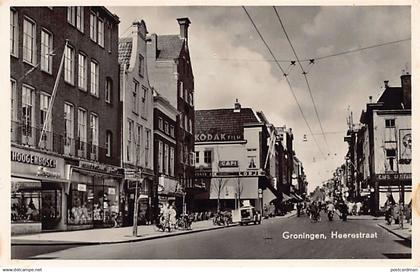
237, 106
386, 82
370, 99
152, 46
406, 89
184, 23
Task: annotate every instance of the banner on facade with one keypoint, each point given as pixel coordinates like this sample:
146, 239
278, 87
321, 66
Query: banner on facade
405, 146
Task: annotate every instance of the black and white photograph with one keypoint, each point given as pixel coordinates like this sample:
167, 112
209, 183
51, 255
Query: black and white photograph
206, 132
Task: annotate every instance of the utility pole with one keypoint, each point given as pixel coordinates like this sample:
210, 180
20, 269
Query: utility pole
136, 206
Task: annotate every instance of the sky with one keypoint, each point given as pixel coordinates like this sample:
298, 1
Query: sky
230, 61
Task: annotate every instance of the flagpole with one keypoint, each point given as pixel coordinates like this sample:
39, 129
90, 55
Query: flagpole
54, 93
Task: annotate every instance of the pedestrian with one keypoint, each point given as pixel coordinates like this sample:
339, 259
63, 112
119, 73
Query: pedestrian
358, 207
172, 216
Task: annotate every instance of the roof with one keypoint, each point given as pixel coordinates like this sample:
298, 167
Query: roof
125, 46
169, 47
392, 98
226, 121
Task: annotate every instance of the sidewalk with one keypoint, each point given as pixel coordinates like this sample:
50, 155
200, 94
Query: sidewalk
395, 229
113, 235
107, 235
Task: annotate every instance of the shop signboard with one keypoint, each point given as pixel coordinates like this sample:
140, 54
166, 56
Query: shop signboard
217, 137
111, 191
222, 174
223, 164
81, 187
37, 164
100, 167
395, 176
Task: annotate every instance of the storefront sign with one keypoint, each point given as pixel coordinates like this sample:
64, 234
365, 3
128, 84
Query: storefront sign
43, 172
228, 164
99, 167
216, 137
81, 187
400, 176
111, 191
249, 173
33, 159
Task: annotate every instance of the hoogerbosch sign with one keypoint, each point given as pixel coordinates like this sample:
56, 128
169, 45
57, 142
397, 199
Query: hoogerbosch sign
34, 159
216, 137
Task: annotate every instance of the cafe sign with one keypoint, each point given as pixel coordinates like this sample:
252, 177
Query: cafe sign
228, 164
216, 137
389, 177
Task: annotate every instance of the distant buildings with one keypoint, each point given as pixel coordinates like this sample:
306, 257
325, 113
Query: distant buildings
237, 160
379, 157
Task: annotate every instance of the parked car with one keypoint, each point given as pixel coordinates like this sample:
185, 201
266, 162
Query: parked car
246, 215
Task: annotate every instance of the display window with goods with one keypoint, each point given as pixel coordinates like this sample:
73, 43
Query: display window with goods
26, 206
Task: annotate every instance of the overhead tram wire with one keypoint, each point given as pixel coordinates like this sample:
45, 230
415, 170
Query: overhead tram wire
311, 60
357, 49
287, 80
304, 74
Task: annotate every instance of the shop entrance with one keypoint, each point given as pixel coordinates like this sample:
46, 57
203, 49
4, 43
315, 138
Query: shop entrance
51, 209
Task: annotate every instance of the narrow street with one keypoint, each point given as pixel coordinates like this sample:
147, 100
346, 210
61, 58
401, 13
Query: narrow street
265, 241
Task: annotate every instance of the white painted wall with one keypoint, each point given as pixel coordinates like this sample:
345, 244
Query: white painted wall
382, 134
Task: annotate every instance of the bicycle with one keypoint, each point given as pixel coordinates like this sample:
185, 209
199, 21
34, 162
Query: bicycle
163, 224
184, 222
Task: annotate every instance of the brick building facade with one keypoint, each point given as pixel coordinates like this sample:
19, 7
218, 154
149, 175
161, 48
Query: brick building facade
79, 187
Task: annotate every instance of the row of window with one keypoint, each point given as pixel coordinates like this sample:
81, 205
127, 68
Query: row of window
29, 42
185, 155
144, 98
75, 16
47, 53
207, 156
186, 95
186, 123
29, 123
166, 159
82, 69
165, 127
135, 138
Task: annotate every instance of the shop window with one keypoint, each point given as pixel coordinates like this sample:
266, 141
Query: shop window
80, 204
26, 205
105, 204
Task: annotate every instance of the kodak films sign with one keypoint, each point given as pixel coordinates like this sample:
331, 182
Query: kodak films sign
216, 137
